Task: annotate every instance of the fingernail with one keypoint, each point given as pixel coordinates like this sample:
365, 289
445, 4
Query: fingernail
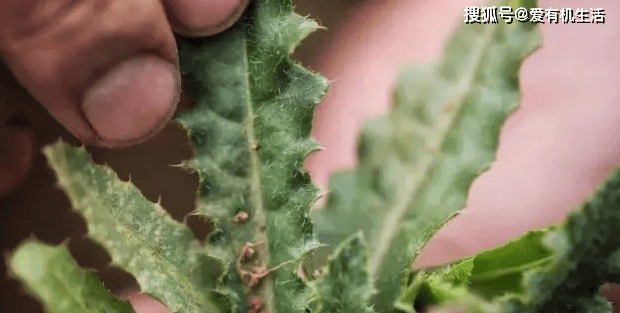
207, 17
132, 101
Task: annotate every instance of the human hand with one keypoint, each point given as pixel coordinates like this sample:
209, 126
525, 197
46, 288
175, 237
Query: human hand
554, 151
105, 69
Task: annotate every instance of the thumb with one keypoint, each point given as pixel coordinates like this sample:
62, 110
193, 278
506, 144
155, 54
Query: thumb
106, 69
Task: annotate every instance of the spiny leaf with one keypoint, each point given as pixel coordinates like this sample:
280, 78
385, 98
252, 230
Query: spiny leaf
499, 271
445, 286
559, 269
587, 254
141, 237
489, 275
52, 276
346, 286
250, 129
416, 163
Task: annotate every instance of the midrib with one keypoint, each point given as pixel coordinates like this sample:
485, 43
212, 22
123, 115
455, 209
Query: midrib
91, 201
392, 221
61, 283
256, 192
511, 270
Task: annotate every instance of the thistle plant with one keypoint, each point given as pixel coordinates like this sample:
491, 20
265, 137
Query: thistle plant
250, 132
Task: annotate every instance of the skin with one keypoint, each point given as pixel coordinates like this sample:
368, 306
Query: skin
105, 69
553, 152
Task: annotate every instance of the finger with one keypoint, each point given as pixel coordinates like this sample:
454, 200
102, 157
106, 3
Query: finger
197, 18
539, 175
106, 69
143, 303
17, 152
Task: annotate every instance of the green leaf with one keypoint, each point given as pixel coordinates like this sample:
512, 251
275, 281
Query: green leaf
346, 286
499, 271
489, 275
250, 129
559, 269
52, 276
416, 163
587, 254
141, 237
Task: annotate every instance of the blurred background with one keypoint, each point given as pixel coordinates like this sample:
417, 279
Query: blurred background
554, 151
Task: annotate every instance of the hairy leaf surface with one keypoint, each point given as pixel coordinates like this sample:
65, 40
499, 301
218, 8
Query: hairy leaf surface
250, 130
440, 287
52, 276
141, 237
346, 286
416, 163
